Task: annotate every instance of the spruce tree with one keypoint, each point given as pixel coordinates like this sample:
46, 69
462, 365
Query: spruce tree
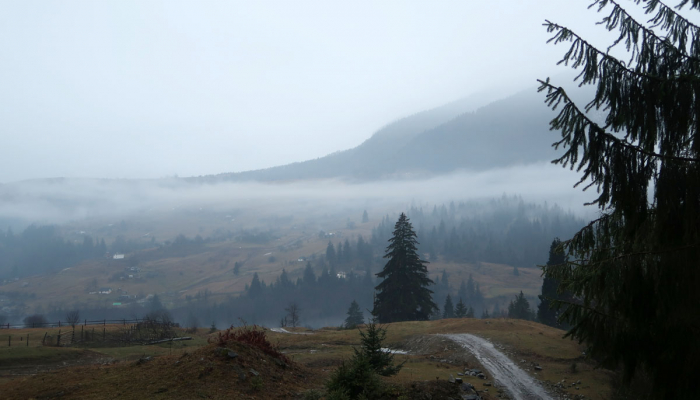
485, 314
403, 295
365, 217
371, 343
461, 309
355, 316
519, 308
309, 276
330, 254
546, 314
634, 270
470, 312
448, 310
255, 287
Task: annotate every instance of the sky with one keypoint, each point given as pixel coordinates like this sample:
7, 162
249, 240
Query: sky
149, 89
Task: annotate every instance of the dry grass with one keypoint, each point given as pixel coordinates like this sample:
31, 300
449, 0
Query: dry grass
522, 340
197, 371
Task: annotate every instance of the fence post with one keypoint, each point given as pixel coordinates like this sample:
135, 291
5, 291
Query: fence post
43, 341
58, 341
104, 322
59, 324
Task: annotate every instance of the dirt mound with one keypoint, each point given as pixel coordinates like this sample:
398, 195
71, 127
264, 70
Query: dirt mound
237, 370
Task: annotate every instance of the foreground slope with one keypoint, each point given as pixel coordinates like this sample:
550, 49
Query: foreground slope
538, 350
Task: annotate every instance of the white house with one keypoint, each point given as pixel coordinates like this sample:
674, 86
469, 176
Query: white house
118, 256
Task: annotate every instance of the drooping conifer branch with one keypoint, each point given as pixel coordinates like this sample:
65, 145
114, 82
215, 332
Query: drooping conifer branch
622, 91
558, 95
651, 44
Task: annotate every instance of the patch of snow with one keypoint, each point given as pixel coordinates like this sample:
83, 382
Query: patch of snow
388, 350
282, 330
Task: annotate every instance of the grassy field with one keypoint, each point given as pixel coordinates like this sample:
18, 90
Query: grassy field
525, 341
99, 371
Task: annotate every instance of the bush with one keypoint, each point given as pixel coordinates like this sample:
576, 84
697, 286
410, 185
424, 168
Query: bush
253, 336
35, 321
371, 348
355, 379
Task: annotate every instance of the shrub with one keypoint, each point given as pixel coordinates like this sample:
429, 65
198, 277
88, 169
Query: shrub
371, 348
35, 321
355, 379
254, 336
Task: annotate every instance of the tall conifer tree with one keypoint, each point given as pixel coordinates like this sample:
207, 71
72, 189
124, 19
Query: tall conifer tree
546, 314
403, 295
635, 268
461, 309
355, 316
448, 311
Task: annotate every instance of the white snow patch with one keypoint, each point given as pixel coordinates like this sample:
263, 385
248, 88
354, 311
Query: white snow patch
388, 350
282, 330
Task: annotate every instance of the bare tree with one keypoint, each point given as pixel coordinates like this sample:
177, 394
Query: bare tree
292, 317
73, 317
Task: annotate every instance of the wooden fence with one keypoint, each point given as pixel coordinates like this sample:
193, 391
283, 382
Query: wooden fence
105, 333
60, 324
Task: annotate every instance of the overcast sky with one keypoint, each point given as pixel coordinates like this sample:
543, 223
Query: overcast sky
144, 89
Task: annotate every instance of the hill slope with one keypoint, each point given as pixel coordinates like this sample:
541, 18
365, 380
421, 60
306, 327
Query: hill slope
506, 132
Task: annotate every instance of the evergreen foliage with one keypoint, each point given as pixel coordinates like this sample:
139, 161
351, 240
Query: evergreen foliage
505, 230
634, 270
331, 256
365, 217
42, 249
448, 310
470, 312
403, 295
371, 340
355, 316
547, 314
485, 314
461, 309
354, 379
255, 286
520, 308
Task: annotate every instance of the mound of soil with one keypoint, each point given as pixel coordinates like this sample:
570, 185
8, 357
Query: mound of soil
237, 371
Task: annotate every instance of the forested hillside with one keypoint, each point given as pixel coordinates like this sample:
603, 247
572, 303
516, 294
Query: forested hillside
506, 132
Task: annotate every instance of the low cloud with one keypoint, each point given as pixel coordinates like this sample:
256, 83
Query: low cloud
69, 200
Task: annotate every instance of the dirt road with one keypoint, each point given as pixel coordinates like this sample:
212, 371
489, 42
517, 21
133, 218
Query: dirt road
509, 376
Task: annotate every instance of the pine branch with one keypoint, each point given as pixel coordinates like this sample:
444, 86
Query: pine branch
586, 262
694, 5
557, 95
629, 32
669, 17
584, 53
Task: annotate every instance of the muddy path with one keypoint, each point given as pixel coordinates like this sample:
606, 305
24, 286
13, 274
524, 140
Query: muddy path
505, 372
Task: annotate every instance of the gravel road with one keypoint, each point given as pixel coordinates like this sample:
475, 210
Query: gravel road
509, 376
